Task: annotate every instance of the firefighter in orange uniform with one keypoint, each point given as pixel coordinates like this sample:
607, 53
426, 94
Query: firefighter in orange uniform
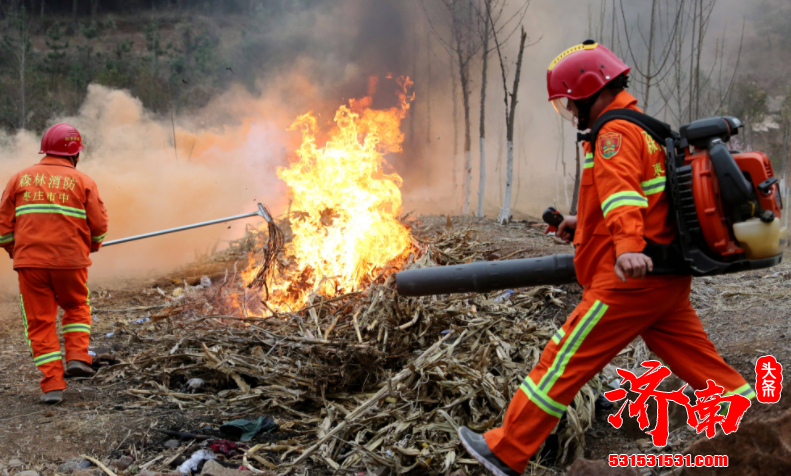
51, 218
623, 206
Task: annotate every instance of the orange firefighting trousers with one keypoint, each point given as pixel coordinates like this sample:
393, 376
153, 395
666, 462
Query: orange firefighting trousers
41, 292
601, 325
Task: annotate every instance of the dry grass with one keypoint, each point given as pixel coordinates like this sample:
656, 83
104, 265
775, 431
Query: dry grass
365, 373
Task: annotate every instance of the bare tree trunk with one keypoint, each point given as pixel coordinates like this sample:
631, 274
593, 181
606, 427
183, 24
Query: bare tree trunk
650, 56
74, 11
41, 15
19, 45
22, 67
697, 67
505, 210
94, 9
691, 63
482, 173
498, 168
464, 58
612, 26
519, 163
481, 179
455, 94
577, 177
465, 96
677, 75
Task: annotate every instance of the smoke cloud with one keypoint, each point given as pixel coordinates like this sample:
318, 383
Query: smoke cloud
317, 58
146, 187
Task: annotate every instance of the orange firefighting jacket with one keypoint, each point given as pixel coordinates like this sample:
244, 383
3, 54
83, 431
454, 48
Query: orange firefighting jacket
623, 202
51, 216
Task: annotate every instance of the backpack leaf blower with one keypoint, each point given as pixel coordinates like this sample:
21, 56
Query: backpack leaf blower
726, 206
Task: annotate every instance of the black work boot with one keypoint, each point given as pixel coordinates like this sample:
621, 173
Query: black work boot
478, 449
77, 368
52, 397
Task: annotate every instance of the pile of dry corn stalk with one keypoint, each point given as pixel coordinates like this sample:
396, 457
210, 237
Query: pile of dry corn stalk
384, 380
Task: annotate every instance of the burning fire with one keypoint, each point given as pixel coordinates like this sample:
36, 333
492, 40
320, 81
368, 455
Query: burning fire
344, 223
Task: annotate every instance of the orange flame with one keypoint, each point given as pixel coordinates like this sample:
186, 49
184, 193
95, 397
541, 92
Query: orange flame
345, 207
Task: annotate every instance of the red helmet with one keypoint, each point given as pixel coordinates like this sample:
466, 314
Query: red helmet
580, 72
61, 139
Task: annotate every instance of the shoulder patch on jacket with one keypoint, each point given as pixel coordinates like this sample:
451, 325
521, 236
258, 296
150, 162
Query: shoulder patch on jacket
609, 144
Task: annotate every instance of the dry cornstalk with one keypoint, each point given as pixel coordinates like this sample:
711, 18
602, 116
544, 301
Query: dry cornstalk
351, 417
100, 465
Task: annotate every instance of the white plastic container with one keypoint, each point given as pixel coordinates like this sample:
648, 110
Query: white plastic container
759, 239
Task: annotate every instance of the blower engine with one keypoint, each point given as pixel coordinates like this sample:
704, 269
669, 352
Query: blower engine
727, 207
727, 204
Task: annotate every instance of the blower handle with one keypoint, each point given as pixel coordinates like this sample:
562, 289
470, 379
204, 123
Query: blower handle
554, 218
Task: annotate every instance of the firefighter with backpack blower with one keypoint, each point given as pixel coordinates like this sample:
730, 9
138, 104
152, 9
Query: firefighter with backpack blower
626, 208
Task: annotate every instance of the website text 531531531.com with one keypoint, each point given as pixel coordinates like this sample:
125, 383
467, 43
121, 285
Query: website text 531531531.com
669, 460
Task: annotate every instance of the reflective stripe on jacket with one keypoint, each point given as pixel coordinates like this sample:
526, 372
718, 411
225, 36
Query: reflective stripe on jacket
623, 201
51, 216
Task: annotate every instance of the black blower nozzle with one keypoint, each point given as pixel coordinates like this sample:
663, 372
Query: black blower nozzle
486, 276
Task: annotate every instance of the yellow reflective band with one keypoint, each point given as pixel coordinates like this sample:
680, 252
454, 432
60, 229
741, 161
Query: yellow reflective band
745, 391
7, 238
570, 346
653, 186
621, 199
24, 321
573, 49
46, 358
99, 238
588, 160
558, 336
542, 399
77, 328
51, 208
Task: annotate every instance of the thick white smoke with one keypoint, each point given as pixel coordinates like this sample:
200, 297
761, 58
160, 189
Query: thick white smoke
220, 171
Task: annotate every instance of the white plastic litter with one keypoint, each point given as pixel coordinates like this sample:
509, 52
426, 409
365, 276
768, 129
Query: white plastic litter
191, 465
195, 383
504, 296
92, 353
110, 334
205, 281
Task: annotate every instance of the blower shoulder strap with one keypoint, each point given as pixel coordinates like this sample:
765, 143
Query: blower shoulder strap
668, 259
657, 129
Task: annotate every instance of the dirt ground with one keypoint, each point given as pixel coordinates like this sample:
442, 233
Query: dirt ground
745, 315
